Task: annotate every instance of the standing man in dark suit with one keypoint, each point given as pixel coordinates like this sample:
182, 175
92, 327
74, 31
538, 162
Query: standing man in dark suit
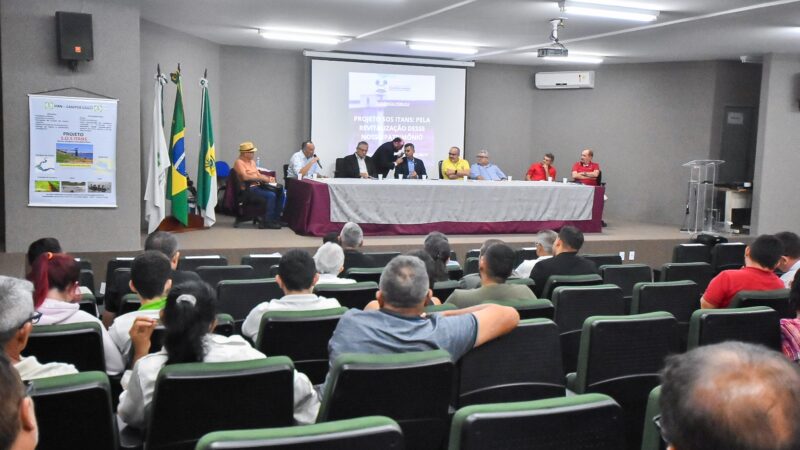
359, 165
408, 166
385, 155
566, 260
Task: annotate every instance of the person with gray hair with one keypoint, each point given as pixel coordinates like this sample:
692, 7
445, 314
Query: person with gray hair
351, 238
484, 170
543, 242
329, 260
401, 324
16, 324
733, 396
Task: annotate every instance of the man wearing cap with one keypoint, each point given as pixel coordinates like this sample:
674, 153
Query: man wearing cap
304, 162
253, 181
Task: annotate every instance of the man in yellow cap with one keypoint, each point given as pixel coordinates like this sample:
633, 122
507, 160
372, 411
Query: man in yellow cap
253, 180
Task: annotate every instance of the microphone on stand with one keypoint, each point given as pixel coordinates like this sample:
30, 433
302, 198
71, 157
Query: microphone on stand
315, 156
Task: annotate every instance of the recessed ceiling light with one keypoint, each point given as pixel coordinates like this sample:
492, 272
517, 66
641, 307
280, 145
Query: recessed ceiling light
608, 11
442, 48
301, 36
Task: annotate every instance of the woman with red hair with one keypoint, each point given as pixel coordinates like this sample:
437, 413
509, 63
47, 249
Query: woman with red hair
55, 295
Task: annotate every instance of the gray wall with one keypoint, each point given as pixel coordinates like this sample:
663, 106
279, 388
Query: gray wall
30, 65
776, 205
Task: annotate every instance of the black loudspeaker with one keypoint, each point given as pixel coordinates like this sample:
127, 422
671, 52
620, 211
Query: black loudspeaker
74, 32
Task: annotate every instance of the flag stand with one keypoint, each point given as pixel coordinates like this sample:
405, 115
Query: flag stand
172, 224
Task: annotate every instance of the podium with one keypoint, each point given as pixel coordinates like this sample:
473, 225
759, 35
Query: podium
701, 215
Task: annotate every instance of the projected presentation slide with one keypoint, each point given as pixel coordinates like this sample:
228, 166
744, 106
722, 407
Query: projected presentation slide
354, 101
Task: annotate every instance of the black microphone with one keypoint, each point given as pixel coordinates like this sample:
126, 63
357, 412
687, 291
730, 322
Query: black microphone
315, 156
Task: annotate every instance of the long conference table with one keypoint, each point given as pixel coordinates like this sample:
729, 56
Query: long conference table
393, 207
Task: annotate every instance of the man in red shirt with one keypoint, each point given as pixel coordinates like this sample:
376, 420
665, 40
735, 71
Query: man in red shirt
585, 171
760, 259
542, 171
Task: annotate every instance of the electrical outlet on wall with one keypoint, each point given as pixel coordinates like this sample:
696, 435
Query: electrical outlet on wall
622, 256
631, 255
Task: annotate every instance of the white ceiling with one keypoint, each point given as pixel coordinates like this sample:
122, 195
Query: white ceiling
508, 31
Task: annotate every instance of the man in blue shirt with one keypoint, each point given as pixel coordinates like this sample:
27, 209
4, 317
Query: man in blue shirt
303, 162
484, 170
408, 166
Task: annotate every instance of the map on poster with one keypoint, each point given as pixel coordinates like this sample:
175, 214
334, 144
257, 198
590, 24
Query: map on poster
73, 151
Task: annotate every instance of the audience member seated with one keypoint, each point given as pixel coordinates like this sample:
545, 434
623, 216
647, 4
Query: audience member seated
329, 260
484, 170
473, 280
56, 292
188, 319
400, 325
17, 317
150, 281
542, 171
18, 428
543, 241
760, 259
790, 261
790, 328
495, 267
297, 276
429, 268
256, 183
437, 245
454, 168
331, 237
358, 164
38, 247
585, 171
730, 396
408, 166
167, 244
566, 260
351, 239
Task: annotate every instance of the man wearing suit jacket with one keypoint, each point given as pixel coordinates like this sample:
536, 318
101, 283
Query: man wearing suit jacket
359, 165
566, 260
408, 166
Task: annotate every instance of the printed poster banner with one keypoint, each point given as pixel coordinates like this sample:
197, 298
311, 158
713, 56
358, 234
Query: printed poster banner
73, 152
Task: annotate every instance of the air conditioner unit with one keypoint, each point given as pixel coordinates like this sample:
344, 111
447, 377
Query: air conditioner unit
564, 80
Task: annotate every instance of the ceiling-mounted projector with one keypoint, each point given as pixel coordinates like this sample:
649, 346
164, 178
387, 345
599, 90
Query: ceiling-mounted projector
556, 48
553, 51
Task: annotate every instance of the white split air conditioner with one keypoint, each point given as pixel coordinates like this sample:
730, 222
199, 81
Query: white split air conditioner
565, 80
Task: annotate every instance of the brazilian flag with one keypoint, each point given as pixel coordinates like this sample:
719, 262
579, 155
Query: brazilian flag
206, 166
177, 190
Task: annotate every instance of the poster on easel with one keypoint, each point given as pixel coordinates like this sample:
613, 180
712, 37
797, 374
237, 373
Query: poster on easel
73, 152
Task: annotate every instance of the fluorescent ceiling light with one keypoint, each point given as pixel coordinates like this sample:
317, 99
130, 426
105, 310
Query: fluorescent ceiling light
441, 48
611, 12
574, 59
292, 36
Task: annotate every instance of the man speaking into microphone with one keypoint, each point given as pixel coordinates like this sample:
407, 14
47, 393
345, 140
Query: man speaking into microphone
385, 156
304, 162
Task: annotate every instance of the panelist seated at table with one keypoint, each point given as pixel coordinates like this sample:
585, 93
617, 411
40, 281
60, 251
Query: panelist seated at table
543, 170
304, 162
358, 165
484, 170
256, 183
585, 171
408, 166
454, 168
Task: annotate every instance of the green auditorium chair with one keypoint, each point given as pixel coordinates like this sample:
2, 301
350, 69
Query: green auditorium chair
776, 299
261, 264
555, 281
239, 297
382, 258
699, 272
214, 274
626, 276
526, 281
691, 252
192, 262
361, 274
756, 325
443, 289
354, 295
79, 344
679, 298
539, 308
727, 255
651, 435
604, 259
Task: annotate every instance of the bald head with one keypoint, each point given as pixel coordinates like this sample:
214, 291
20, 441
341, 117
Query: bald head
732, 395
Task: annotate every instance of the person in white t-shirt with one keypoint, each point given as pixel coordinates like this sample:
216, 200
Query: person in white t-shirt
329, 260
297, 275
544, 250
790, 261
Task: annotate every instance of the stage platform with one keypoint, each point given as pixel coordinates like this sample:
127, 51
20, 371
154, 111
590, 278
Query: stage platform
651, 244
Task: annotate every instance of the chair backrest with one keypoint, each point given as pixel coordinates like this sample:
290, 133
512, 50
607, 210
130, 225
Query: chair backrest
114, 264
79, 344
474, 253
691, 252
524, 364
524, 254
727, 255
555, 281
285, 172
214, 274
454, 270
375, 432
239, 297
757, 325
86, 398
776, 299
573, 305
129, 303
471, 265
430, 309
260, 264
352, 391
441, 174
526, 281
338, 168
382, 258
86, 278
453, 256
540, 308
191, 263
679, 298
621, 356
88, 304
626, 275
302, 336
244, 394
604, 259
355, 295
361, 274
443, 289
651, 436
118, 288
85, 264
580, 422
699, 272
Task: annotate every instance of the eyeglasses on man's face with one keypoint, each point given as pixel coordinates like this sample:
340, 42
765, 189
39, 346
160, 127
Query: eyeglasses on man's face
34, 318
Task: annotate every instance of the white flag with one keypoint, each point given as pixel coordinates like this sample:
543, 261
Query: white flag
157, 164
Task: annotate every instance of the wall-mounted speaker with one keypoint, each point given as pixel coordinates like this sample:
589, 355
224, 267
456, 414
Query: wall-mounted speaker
74, 32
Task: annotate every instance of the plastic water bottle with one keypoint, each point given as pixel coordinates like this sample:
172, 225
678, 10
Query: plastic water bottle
258, 161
